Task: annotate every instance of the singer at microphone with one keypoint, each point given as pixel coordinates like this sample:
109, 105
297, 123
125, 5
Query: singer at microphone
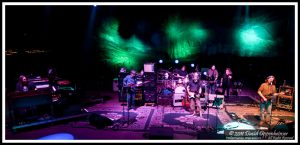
266, 92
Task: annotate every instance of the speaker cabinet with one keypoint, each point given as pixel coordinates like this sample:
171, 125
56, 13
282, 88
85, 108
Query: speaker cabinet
285, 101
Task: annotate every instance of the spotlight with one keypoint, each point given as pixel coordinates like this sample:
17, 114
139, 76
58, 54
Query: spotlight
160, 61
192, 65
95, 5
176, 61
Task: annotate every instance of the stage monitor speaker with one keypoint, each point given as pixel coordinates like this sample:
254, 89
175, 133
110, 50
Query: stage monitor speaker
161, 133
99, 121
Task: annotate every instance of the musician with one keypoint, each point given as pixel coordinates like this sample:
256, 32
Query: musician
141, 73
194, 90
51, 76
123, 70
226, 81
129, 82
212, 78
267, 91
22, 84
182, 74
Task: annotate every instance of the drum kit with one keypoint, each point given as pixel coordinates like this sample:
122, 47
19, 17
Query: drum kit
173, 82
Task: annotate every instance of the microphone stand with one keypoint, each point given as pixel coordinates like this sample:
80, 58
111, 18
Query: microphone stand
123, 112
271, 108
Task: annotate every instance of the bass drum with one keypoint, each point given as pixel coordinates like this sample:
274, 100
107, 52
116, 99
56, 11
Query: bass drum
179, 95
186, 80
180, 89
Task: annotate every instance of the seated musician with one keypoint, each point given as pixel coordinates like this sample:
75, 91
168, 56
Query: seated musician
129, 83
194, 90
51, 76
22, 84
182, 74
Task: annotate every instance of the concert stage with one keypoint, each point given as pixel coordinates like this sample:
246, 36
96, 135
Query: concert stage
110, 120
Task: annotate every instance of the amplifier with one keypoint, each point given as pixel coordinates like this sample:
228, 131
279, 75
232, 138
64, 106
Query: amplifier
285, 102
177, 99
149, 67
139, 94
150, 76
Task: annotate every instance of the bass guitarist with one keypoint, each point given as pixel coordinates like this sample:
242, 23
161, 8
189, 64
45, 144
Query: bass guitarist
194, 90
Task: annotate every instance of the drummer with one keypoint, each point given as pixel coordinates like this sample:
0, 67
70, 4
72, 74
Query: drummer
182, 74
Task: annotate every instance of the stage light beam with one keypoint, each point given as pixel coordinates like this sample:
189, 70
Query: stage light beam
184, 37
255, 39
118, 51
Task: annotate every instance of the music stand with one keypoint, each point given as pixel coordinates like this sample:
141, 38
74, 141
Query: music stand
123, 112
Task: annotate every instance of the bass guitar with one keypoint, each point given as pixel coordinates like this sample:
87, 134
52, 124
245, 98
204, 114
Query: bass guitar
132, 86
193, 95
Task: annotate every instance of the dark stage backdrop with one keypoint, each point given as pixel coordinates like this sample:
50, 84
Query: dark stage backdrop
69, 37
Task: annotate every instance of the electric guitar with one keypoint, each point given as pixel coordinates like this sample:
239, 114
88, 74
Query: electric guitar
133, 85
193, 95
270, 96
211, 80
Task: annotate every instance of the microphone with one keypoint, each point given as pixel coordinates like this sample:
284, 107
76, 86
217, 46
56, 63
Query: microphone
271, 83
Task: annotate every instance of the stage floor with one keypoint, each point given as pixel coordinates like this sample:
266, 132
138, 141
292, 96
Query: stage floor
136, 124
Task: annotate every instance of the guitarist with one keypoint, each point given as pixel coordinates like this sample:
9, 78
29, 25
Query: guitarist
129, 83
267, 91
212, 79
194, 90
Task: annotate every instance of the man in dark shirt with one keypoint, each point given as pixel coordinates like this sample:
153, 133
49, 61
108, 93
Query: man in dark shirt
212, 78
183, 75
226, 81
194, 90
